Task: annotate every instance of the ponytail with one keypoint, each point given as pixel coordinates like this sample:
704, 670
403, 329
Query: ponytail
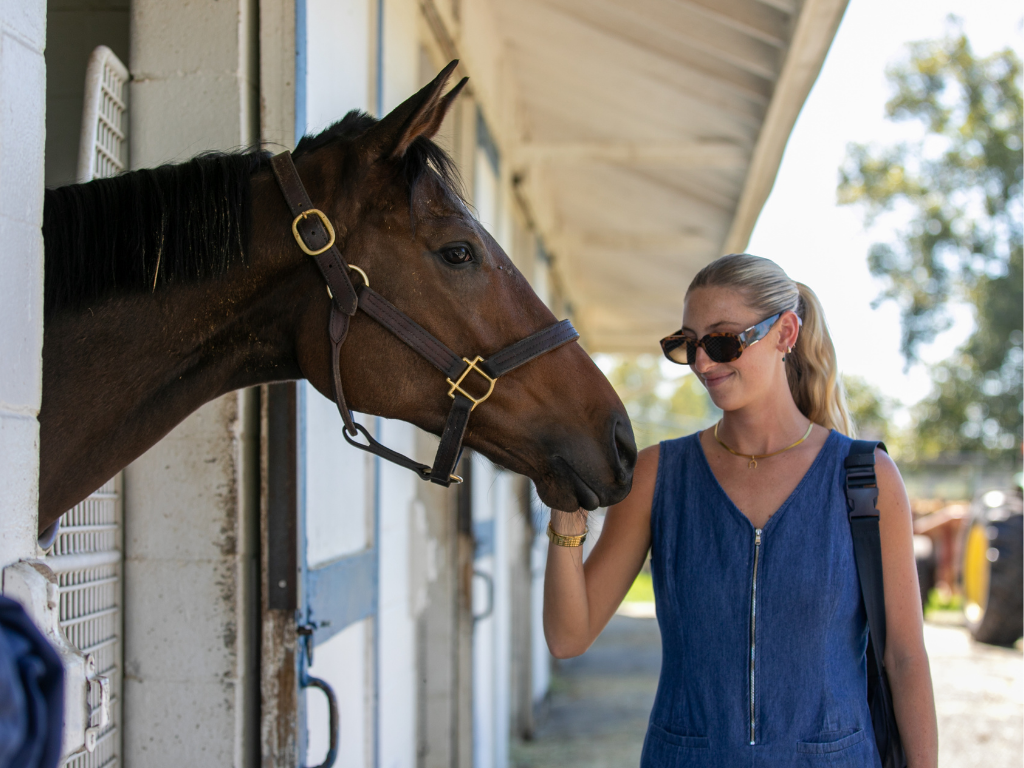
811, 367
812, 370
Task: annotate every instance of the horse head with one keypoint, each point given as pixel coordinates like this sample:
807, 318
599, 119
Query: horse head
394, 199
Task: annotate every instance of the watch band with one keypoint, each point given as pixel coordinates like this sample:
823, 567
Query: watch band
562, 540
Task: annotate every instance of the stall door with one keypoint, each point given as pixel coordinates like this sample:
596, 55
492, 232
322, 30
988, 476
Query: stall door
87, 553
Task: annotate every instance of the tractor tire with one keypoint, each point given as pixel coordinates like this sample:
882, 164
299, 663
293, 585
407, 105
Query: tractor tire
992, 577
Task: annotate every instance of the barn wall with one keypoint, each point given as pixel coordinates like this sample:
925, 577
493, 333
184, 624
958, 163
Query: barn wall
191, 500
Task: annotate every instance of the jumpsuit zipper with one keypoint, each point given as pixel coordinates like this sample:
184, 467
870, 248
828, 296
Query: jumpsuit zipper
753, 629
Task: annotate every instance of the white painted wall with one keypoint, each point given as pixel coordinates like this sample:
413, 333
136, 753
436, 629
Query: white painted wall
492, 656
332, 662
22, 132
339, 483
401, 51
399, 513
338, 49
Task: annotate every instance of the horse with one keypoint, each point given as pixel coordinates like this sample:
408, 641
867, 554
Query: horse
166, 288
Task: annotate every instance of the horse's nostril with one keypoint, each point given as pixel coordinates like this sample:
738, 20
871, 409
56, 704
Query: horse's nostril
624, 450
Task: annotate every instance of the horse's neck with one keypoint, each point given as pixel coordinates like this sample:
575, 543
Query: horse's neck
119, 376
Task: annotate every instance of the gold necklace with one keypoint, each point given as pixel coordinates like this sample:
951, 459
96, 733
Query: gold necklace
752, 464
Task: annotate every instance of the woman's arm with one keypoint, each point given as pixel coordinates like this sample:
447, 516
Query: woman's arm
580, 599
905, 658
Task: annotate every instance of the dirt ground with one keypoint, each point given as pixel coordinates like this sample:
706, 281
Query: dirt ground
597, 711
979, 698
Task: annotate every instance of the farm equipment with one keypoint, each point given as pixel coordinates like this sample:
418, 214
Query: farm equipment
992, 567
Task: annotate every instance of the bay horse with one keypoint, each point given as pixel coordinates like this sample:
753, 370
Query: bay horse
166, 288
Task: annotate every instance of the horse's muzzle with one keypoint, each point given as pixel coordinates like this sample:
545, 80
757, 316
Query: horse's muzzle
592, 476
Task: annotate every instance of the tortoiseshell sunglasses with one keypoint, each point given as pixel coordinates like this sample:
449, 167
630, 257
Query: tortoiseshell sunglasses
720, 347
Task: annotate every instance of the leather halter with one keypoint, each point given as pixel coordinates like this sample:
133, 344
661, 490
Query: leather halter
316, 237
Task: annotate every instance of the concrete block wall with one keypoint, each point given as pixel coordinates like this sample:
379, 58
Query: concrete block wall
195, 78
191, 502
190, 570
22, 132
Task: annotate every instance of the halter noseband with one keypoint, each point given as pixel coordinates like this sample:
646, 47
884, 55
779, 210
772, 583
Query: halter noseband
315, 236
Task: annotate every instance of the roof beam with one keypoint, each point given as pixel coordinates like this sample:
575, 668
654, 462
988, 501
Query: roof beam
676, 154
786, 6
660, 242
667, 29
758, 20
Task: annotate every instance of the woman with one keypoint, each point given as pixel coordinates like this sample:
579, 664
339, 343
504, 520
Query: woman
763, 634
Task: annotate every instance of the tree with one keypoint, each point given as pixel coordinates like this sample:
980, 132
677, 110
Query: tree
660, 408
870, 410
957, 193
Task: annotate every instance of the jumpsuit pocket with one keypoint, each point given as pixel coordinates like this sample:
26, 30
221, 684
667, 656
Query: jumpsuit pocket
676, 740
828, 747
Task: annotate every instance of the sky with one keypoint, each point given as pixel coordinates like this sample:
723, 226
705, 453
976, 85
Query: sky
824, 245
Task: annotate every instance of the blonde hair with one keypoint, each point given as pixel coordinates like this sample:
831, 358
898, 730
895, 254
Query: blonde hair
811, 367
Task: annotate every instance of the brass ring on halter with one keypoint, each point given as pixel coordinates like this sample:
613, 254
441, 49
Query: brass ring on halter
452, 477
323, 220
366, 280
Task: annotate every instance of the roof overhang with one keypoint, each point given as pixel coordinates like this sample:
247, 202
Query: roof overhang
651, 134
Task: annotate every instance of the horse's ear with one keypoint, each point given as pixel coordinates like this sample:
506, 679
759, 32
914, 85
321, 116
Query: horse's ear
419, 115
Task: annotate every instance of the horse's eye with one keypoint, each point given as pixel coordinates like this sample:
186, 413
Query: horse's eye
457, 254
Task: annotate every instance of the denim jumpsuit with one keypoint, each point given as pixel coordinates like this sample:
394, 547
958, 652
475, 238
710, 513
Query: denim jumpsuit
763, 631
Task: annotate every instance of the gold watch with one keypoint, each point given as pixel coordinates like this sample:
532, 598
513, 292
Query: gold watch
562, 540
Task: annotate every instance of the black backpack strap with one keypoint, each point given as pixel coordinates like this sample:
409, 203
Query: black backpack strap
861, 496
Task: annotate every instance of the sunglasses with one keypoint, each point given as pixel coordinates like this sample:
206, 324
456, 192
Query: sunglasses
720, 347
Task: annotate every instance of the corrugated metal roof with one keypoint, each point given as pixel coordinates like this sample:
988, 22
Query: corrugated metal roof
651, 132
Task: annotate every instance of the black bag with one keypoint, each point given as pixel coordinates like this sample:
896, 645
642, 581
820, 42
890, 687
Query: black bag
861, 495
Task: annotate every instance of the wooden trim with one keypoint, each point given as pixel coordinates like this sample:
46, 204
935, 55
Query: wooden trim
279, 648
815, 29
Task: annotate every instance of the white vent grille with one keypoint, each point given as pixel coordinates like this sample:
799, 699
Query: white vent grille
103, 150
86, 559
86, 556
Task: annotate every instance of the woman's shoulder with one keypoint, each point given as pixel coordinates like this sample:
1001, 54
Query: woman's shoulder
653, 457
680, 443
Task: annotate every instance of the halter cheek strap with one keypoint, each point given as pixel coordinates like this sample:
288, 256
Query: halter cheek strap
470, 382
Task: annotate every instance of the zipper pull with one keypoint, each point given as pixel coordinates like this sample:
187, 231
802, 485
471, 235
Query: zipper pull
757, 536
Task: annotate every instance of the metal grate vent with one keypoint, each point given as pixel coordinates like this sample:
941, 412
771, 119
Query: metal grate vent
103, 150
86, 559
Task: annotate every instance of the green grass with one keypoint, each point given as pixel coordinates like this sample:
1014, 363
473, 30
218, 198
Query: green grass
642, 590
939, 602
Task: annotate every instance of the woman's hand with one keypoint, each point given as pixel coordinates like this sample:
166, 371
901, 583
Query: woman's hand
579, 599
905, 658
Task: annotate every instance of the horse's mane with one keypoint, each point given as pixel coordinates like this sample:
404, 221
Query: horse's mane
180, 223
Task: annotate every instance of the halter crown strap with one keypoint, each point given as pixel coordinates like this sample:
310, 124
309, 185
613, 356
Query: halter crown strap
315, 235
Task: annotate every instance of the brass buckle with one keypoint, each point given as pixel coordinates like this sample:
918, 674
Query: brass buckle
451, 477
456, 385
298, 238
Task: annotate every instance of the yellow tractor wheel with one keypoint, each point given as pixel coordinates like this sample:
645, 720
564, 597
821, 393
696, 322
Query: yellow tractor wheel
991, 574
976, 574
